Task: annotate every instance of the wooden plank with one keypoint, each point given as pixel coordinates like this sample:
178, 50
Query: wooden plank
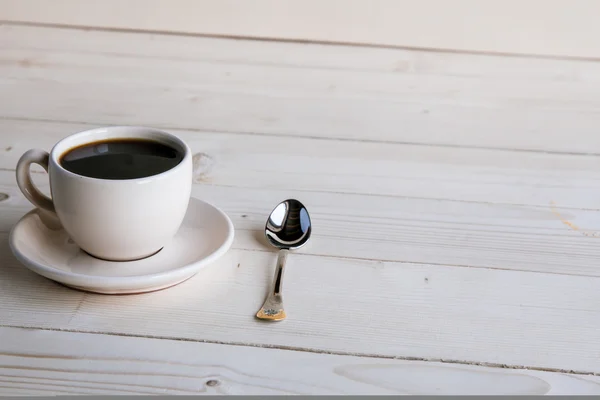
344, 305
557, 27
56, 362
299, 90
350, 167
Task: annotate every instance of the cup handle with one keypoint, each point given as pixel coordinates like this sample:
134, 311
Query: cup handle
32, 193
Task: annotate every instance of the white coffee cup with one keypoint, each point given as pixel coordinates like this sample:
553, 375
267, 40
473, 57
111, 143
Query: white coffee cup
116, 220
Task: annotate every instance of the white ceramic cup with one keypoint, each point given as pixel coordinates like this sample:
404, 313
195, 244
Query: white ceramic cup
117, 220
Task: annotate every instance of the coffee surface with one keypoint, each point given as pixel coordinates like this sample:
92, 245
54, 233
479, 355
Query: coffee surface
121, 159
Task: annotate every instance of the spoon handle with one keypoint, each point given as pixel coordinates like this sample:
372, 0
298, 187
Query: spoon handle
272, 308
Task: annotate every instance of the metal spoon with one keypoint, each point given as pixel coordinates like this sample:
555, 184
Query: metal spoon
288, 228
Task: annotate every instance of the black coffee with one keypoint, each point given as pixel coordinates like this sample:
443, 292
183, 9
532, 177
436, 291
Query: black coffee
121, 159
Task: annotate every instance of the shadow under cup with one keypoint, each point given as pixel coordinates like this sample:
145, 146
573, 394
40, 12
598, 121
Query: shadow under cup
121, 193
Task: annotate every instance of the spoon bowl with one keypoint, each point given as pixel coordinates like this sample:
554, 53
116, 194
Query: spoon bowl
288, 228
288, 225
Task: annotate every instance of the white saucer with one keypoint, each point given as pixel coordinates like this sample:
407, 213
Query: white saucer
205, 235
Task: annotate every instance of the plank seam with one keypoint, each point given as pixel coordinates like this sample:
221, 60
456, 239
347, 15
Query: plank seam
320, 351
296, 41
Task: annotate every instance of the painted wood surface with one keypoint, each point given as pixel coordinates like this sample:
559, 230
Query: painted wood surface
542, 27
455, 206
56, 363
314, 91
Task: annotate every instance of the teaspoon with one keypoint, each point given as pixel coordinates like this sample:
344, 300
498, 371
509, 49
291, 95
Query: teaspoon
287, 228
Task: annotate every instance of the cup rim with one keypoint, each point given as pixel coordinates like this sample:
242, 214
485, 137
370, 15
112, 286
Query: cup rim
58, 150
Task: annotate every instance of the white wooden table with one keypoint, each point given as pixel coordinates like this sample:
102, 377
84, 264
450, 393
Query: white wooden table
455, 200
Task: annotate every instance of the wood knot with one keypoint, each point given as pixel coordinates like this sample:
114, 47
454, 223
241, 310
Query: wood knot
212, 383
203, 165
25, 63
3, 196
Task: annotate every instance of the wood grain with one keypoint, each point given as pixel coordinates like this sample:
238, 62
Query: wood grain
556, 27
299, 90
58, 362
352, 167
